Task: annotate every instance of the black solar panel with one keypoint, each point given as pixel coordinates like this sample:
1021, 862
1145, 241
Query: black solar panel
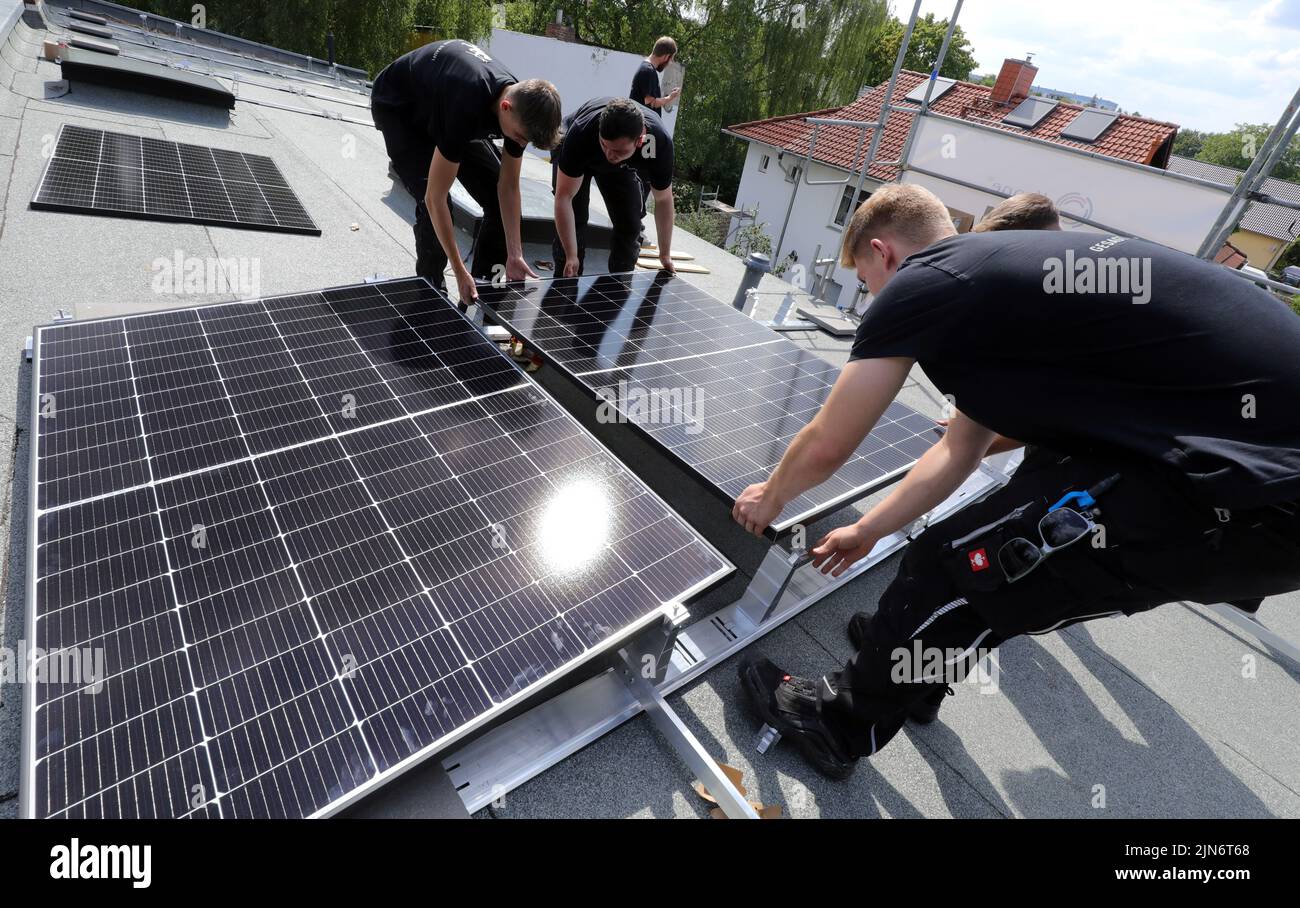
1089, 125
719, 391
941, 87
1030, 112
312, 540
113, 173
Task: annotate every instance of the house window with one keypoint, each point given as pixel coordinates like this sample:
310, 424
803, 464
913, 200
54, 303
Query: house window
795, 172
763, 162
846, 204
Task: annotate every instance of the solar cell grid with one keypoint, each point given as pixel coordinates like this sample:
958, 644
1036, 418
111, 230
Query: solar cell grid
717, 390
288, 609
99, 172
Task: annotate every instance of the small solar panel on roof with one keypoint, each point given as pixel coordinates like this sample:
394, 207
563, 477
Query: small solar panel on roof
1089, 125
941, 87
1030, 112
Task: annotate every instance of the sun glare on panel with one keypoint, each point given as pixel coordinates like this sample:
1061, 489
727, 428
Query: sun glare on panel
575, 525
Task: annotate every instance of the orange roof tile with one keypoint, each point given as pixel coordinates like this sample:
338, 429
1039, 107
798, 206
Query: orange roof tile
1129, 138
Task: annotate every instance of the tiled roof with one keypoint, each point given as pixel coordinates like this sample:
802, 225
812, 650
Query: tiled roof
1129, 138
1274, 221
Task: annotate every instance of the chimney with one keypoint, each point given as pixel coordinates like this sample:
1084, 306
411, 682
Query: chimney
1014, 81
559, 30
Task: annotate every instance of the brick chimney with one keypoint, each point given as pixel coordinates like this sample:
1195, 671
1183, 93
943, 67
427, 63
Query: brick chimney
558, 30
1013, 82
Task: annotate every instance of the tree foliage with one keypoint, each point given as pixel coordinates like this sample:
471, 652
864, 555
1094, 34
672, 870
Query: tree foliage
1239, 147
368, 34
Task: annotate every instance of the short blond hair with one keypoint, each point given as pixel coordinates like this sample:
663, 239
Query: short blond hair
908, 211
1023, 211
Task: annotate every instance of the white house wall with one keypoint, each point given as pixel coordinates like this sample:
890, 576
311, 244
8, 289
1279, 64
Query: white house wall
813, 210
580, 72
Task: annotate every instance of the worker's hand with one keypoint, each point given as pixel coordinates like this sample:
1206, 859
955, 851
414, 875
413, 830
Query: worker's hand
517, 269
465, 286
756, 508
839, 549
571, 267
672, 96
666, 262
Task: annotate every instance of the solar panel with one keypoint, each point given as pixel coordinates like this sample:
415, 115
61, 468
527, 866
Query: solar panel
112, 173
1030, 112
718, 391
941, 88
311, 540
1089, 125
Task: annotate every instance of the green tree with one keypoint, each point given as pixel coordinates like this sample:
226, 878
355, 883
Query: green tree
922, 50
1239, 148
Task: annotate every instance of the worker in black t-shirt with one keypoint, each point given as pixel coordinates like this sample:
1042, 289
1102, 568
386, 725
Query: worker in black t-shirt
645, 83
439, 107
1159, 394
627, 151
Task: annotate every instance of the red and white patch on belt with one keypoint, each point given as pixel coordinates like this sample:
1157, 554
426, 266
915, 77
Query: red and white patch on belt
979, 560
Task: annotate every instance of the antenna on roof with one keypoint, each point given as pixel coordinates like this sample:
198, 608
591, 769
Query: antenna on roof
1029, 58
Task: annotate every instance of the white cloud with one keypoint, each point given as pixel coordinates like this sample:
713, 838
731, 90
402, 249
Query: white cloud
1200, 64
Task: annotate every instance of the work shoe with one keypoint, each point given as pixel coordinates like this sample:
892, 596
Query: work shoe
923, 711
926, 710
793, 706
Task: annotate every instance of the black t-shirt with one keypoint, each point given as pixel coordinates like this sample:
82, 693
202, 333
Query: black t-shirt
579, 153
447, 90
1204, 375
645, 82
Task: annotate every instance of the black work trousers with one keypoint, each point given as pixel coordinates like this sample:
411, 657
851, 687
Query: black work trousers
625, 198
411, 153
1153, 544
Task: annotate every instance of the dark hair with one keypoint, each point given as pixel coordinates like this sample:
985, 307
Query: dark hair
664, 46
621, 119
537, 104
1023, 211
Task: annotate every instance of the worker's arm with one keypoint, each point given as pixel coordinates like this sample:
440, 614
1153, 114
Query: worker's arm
664, 226
442, 173
508, 197
1001, 443
863, 390
566, 187
939, 473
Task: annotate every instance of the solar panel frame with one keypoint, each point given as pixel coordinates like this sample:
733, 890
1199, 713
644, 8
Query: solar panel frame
805, 509
1089, 124
255, 186
28, 760
1030, 112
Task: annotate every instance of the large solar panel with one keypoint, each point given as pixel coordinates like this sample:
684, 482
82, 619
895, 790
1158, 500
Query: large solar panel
112, 173
717, 390
312, 540
941, 87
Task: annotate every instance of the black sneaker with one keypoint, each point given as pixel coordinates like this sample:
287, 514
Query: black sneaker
793, 707
926, 710
923, 711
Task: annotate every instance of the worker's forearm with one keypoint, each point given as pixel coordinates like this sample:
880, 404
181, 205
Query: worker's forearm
664, 226
564, 227
1002, 445
807, 463
440, 216
508, 198
938, 474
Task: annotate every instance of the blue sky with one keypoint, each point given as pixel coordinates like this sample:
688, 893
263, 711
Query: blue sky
1203, 64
